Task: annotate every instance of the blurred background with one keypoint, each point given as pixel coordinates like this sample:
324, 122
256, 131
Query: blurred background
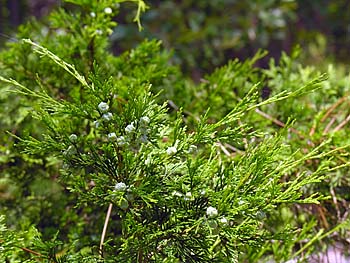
205, 34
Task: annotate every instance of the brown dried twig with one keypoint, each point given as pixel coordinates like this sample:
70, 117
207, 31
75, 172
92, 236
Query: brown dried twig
334, 198
329, 125
223, 149
333, 107
278, 122
108, 215
342, 124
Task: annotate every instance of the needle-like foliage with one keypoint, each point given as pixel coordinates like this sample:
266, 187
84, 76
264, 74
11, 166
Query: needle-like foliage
176, 187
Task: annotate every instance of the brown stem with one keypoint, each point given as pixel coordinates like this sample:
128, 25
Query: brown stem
312, 130
342, 124
334, 198
31, 251
27, 250
330, 123
322, 216
108, 215
222, 147
278, 122
333, 107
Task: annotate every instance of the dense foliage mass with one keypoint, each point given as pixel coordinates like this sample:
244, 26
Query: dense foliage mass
122, 159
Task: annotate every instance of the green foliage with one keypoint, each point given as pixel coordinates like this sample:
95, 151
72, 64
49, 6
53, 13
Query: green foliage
319, 116
95, 132
163, 192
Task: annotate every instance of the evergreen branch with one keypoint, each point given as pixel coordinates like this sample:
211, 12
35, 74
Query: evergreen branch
60, 62
252, 96
310, 86
319, 236
43, 96
311, 155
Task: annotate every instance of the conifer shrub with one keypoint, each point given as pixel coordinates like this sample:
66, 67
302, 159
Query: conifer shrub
318, 117
122, 159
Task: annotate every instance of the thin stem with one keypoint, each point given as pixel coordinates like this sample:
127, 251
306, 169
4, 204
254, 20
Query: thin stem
334, 198
329, 125
342, 124
222, 147
108, 215
31, 251
333, 107
278, 122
